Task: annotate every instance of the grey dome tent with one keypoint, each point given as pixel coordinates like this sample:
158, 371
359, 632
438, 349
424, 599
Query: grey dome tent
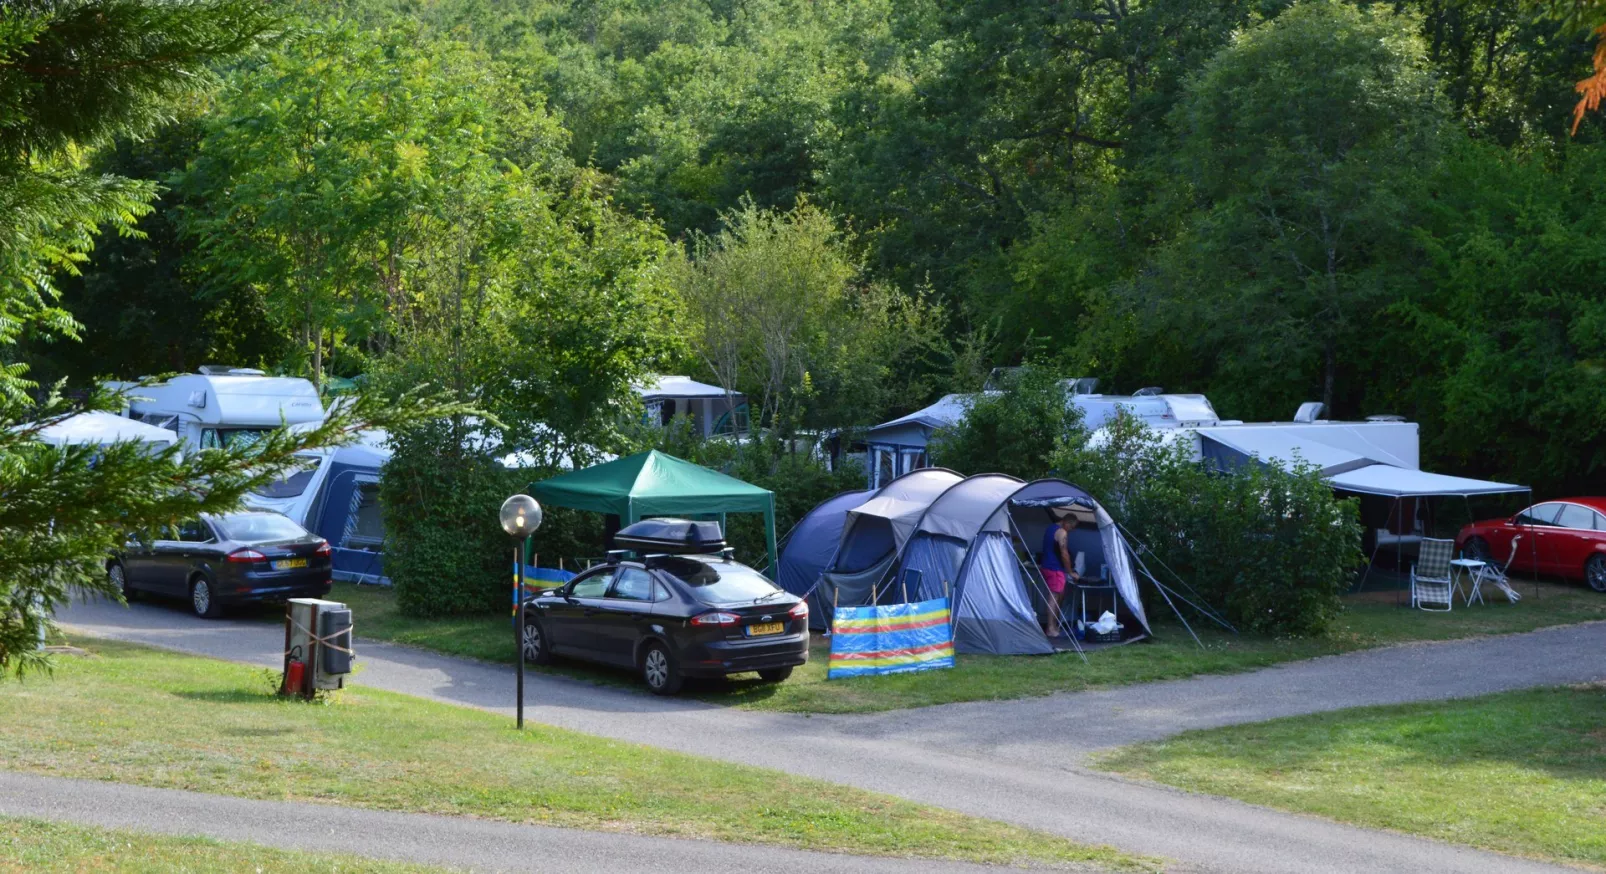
873, 535
965, 542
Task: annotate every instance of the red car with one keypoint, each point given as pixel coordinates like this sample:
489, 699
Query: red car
1566, 538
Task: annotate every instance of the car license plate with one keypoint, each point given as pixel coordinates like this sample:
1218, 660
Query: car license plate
288, 564
766, 628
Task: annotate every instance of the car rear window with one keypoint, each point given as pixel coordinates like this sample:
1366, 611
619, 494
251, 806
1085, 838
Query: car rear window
718, 582
259, 528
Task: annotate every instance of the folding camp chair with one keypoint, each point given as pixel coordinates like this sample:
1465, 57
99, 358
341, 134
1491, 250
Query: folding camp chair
1430, 576
1499, 577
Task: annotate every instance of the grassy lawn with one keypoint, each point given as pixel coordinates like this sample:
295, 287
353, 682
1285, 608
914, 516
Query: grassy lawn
134, 715
1521, 772
54, 848
1371, 620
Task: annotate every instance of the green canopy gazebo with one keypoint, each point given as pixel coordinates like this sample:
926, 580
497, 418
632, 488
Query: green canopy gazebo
654, 484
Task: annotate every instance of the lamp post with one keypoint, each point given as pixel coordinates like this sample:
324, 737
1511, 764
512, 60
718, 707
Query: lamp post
521, 515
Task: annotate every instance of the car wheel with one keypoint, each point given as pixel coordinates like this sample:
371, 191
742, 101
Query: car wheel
203, 600
1595, 572
1478, 549
775, 675
659, 671
535, 645
117, 575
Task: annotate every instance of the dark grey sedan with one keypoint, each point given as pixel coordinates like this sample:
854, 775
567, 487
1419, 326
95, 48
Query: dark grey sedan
216, 561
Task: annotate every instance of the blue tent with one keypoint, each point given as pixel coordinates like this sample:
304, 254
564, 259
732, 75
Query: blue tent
871, 534
813, 540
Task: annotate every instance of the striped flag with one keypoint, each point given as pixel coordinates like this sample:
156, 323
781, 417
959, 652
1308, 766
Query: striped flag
891, 639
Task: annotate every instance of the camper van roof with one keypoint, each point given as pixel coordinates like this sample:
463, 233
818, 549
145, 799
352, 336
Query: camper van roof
677, 387
236, 400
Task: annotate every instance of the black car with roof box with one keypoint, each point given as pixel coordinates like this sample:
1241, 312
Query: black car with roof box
691, 611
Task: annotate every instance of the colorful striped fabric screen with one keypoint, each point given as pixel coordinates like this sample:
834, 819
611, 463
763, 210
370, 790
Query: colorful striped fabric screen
891, 639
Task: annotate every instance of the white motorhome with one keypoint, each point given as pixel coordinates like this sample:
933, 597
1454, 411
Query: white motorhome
219, 405
333, 494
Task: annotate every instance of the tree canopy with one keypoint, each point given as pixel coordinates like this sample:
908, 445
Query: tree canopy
843, 208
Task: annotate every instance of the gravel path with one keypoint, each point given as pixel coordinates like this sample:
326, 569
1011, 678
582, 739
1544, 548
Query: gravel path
1017, 761
454, 842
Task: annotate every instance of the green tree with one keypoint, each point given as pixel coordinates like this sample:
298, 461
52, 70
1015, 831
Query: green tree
781, 310
74, 75
1507, 325
348, 168
141, 303
1299, 200
1014, 431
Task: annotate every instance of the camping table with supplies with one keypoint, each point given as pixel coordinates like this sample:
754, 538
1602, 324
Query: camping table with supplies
1093, 584
1472, 570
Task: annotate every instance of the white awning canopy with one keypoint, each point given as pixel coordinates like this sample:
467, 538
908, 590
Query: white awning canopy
98, 428
1283, 449
678, 387
1398, 482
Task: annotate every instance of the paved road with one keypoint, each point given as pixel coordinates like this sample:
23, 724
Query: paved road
456, 842
1017, 761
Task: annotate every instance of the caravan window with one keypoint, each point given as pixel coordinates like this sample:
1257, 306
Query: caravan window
291, 485
368, 529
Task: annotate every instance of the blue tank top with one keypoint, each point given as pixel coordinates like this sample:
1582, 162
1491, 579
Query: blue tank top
1051, 552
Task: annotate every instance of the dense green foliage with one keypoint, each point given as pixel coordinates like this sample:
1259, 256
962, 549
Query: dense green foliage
445, 552
1015, 431
1265, 201
1272, 549
778, 308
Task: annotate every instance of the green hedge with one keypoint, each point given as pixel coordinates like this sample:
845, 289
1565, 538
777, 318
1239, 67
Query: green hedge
445, 551
1271, 548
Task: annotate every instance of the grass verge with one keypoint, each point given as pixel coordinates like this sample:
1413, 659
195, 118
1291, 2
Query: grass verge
134, 715
1369, 621
1520, 772
56, 848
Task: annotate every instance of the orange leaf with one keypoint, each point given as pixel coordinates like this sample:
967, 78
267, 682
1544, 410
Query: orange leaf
1593, 89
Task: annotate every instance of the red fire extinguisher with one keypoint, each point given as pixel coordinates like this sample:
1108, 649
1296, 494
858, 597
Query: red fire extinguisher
294, 674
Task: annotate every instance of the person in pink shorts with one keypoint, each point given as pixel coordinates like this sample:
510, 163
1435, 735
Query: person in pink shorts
1056, 566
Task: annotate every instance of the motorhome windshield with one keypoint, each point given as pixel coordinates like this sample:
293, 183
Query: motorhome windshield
291, 485
220, 438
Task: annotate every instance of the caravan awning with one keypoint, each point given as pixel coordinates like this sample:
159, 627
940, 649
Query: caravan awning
1398, 482
100, 428
1271, 446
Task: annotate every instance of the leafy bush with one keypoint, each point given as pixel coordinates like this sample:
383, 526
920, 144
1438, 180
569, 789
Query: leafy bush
1014, 431
1272, 549
445, 551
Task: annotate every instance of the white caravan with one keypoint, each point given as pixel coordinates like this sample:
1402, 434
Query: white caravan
899, 446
